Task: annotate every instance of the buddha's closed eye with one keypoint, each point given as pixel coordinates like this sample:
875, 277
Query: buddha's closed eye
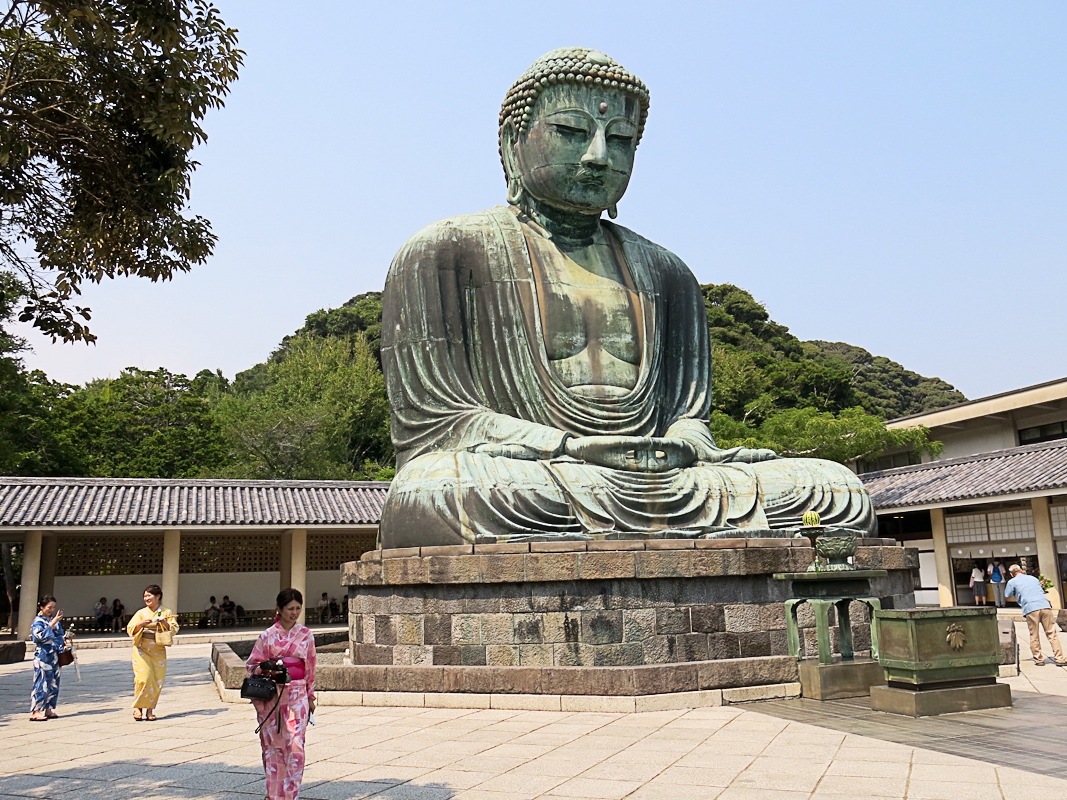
570, 131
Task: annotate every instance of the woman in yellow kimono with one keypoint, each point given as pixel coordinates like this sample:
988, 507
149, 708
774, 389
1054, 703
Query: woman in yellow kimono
149, 655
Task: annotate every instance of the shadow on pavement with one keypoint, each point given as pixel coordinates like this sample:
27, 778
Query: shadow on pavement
1031, 736
155, 780
108, 686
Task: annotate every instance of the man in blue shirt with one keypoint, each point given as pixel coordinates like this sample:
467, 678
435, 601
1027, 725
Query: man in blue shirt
1038, 613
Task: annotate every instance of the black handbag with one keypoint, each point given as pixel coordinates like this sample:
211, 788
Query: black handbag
258, 687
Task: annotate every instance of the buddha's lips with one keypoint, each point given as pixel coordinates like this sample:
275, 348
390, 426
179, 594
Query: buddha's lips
588, 176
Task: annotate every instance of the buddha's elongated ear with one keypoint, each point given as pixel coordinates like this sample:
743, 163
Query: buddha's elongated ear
509, 145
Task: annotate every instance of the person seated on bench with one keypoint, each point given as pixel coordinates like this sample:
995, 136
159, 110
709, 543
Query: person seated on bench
102, 612
211, 613
324, 609
118, 616
228, 611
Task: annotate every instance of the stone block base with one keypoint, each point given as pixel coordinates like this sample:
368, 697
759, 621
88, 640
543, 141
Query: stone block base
554, 702
12, 652
646, 679
625, 603
932, 702
840, 679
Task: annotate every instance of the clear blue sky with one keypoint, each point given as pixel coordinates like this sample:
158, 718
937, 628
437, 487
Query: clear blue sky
892, 175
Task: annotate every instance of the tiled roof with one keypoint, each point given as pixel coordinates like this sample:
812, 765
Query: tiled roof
1017, 470
63, 502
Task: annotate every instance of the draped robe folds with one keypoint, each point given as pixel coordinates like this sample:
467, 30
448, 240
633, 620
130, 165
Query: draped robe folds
480, 420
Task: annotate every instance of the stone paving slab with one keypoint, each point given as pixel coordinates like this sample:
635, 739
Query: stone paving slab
205, 749
1031, 736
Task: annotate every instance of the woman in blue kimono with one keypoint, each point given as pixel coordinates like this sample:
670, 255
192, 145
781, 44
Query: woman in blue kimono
47, 635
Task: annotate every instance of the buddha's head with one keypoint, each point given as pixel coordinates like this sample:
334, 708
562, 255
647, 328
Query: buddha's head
569, 128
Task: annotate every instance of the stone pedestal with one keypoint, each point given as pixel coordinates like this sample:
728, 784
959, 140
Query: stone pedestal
599, 617
13, 652
839, 679
940, 701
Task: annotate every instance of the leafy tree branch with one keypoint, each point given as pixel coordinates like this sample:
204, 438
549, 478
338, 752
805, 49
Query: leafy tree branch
101, 104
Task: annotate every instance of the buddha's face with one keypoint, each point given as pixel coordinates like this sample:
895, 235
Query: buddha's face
579, 151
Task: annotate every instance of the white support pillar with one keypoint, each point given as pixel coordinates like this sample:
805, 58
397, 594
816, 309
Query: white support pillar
945, 589
285, 565
31, 582
49, 562
1046, 549
172, 553
298, 546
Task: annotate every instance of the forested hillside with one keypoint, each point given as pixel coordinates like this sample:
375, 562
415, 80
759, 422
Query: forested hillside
316, 406
761, 366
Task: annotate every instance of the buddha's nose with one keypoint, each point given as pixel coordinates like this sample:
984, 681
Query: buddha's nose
597, 154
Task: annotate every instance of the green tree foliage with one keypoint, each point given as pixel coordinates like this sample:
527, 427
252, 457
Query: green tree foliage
31, 440
884, 387
760, 367
37, 437
100, 107
143, 424
362, 315
319, 412
792, 373
810, 433
12, 376
807, 398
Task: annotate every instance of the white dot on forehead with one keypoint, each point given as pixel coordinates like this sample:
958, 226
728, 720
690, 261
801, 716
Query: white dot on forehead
603, 108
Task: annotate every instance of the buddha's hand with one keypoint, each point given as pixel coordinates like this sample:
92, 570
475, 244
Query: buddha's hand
632, 453
744, 455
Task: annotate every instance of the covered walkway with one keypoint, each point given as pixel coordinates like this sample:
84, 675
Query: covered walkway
86, 538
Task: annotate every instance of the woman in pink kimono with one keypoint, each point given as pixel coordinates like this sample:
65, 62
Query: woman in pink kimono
282, 738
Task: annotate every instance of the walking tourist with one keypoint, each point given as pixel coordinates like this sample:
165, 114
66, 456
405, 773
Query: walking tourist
47, 635
152, 629
978, 584
1038, 613
997, 581
282, 738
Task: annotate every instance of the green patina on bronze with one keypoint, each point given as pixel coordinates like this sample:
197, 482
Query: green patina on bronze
825, 590
549, 372
925, 647
833, 545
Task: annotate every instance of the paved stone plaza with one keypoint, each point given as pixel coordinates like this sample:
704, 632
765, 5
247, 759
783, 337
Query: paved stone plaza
202, 748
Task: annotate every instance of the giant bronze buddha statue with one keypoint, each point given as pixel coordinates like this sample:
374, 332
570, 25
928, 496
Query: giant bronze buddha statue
549, 372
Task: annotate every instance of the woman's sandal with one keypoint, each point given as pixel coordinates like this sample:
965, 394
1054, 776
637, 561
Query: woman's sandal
150, 716
137, 715
38, 716
51, 714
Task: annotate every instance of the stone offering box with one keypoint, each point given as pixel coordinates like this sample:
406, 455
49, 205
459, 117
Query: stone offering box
939, 661
608, 618
928, 646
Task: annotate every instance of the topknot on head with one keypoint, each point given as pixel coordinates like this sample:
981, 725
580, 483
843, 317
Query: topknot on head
575, 65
